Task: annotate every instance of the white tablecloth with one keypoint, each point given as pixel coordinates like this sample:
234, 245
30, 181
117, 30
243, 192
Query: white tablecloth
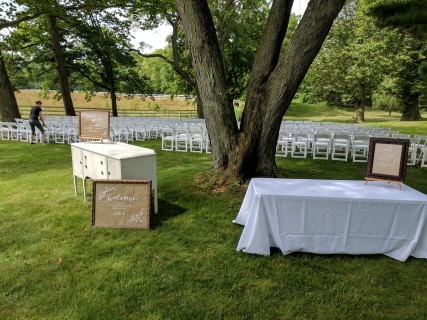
333, 216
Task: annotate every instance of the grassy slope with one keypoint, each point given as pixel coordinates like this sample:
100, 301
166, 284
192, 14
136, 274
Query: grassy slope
27, 98
186, 266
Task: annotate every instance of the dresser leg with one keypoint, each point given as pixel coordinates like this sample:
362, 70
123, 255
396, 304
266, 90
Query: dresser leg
156, 206
75, 185
84, 188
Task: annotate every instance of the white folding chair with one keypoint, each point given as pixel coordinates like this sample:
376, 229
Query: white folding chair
24, 131
360, 148
196, 139
421, 144
14, 131
140, 132
72, 134
401, 136
322, 145
153, 130
60, 133
412, 151
122, 133
168, 138
284, 142
299, 145
4, 131
340, 146
181, 138
424, 157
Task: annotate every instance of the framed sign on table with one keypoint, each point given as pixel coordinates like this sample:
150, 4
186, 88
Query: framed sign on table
94, 125
387, 160
121, 203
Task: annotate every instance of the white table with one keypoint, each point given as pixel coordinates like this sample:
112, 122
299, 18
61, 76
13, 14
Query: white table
333, 217
113, 160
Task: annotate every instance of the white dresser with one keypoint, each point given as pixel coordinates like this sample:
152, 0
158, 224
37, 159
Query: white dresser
113, 160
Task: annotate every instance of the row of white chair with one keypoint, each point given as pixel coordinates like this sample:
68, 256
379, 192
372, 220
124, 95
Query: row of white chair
322, 140
341, 145
183, 139
17, 131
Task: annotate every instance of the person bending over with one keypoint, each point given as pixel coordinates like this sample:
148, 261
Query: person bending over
35, 117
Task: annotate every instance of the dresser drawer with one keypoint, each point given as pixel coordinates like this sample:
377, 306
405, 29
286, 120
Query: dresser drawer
76, 155
95, 166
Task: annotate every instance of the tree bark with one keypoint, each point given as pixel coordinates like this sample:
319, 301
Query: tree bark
210, 76
411, 109
268, 102
60, 66
275, 78
360, 113
199, 105
8, 106
114, 102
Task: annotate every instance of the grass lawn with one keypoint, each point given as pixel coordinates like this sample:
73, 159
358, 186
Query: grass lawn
54, 265
26, 98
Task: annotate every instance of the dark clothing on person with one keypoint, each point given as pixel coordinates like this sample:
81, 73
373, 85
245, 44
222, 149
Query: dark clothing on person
34, 113
34, 124
34, 120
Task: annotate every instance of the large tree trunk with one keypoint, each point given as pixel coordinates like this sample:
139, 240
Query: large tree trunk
269, 100
360, 112
411, 105
8, 107
60, 66
274, 81
114, 102
199, 104
210, 76
176, 65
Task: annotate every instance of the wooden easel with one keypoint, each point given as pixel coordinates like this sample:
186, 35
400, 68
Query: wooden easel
385, 180
90, 139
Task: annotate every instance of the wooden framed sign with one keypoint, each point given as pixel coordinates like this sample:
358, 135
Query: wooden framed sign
121, 203
94, 124
387, 159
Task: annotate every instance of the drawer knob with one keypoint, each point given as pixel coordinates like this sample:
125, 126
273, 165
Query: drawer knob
102, 162
86, 166
102, 172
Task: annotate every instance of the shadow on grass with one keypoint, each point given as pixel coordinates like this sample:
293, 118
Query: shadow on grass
330, 257
167, 211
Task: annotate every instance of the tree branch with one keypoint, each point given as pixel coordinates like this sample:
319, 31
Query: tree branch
176, 67
271, 43
45, 71
91, 79
18, 21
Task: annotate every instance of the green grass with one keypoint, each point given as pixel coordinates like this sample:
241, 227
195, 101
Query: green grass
380, 118
186, 266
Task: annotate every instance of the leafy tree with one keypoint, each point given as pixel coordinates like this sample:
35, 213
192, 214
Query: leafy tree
60, 64
410, 19
18, 12
162, 78
275, 76
354, 60
68, 25
385, 98
103, 57
239, 28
